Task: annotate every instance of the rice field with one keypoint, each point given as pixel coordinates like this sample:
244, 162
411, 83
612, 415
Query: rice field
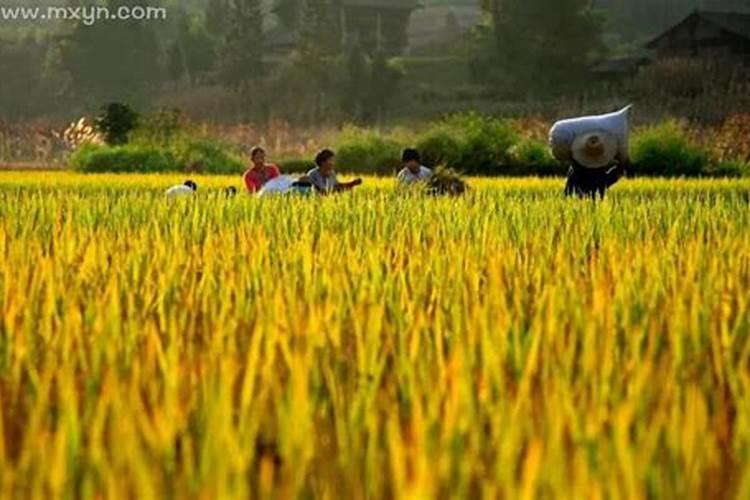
508, 344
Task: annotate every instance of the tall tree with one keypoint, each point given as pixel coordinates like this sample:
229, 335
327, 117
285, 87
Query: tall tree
20, 62
384, 80
242, 54
319, 48
320, 30
358, 74
539, 43
218, 18
192, 53
112, 61
289, 12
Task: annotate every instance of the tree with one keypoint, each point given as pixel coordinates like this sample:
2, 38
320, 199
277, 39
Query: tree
536, 43
319, 48
242, 54
192, 53
116, 121
111, 61
384, 79
289, 12
20, 62
218, 18
358, 73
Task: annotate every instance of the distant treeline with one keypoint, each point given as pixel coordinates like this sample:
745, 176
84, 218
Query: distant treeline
520, 49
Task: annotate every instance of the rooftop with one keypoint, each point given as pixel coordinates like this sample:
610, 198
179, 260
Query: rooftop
737, 23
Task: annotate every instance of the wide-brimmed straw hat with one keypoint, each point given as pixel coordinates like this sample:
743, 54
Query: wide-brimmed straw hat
595, 149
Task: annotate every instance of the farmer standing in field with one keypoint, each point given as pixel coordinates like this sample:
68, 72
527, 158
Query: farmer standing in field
596, 148
413, 171
323, 177
260, 172
595, 167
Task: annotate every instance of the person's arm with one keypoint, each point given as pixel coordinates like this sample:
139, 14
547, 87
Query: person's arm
304, 181
401, 178
614, 174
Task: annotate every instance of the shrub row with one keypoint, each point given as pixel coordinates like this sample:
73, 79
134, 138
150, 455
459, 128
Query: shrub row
471, 143
479, 145
162, 142
201, 155
671, 150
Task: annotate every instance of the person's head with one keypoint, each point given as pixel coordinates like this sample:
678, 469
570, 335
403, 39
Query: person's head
192, 185
258, 157
411, 160
326, 161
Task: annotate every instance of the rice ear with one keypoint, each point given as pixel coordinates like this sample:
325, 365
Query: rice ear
446, 181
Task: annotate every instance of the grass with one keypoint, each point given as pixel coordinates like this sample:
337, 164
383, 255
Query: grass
509, 343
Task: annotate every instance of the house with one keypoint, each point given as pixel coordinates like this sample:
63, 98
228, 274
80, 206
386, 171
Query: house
722, 34
375, 24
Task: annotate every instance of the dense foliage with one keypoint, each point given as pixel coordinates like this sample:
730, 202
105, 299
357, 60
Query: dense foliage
161, 142
472, 144
532, 45
115, 122
304, 62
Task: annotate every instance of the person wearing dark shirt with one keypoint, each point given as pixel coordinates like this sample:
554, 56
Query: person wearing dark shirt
596, 166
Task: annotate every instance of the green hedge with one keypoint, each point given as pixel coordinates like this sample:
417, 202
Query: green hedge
202, 155
670, 150
365, 150
207, 156
473, 144
121, 159
479, 145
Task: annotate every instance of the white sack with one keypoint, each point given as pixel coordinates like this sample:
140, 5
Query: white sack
278, 185
179, 191
564, 132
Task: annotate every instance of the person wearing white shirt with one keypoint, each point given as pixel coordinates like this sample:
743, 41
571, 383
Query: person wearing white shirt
189, 188
413, 170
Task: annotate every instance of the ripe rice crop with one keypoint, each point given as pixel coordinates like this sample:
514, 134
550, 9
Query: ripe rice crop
505, 344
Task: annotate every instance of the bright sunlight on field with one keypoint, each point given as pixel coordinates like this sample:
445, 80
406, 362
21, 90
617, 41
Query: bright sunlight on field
509, 343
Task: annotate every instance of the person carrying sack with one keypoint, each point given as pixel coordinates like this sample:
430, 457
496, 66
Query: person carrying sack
595, 167
597, 150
